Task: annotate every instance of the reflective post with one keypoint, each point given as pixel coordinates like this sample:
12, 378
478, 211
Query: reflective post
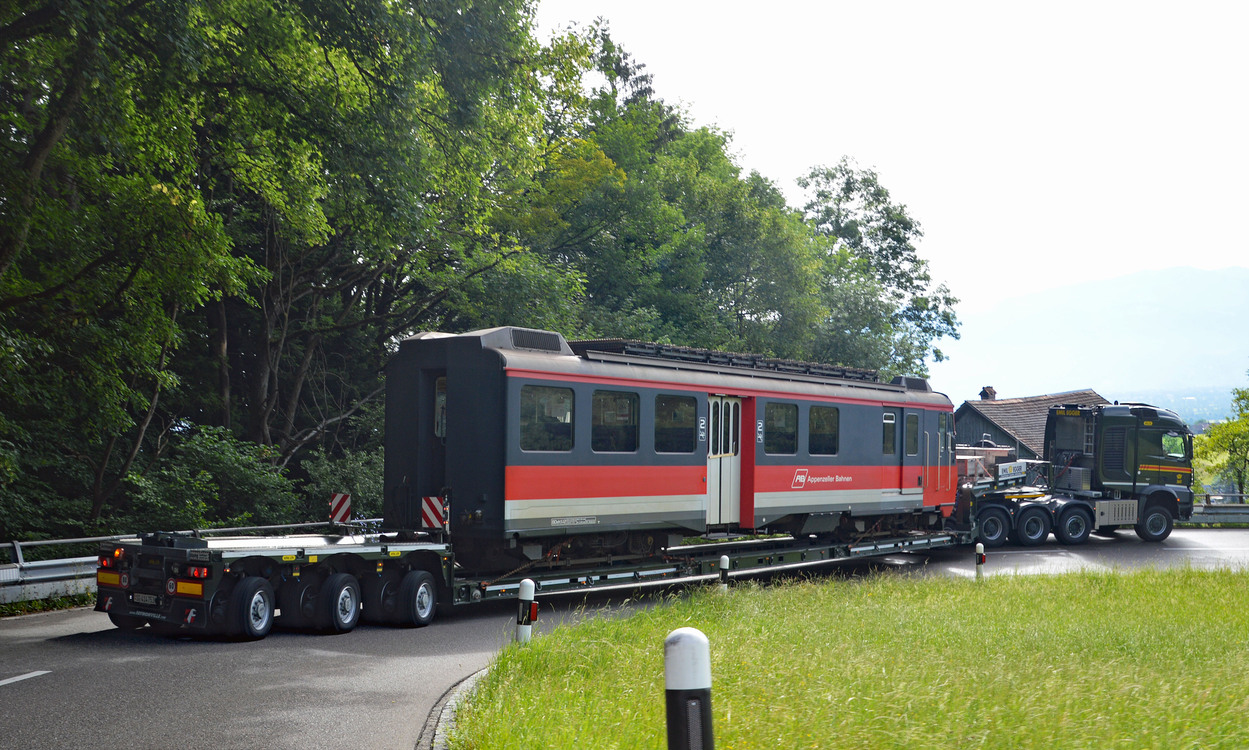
526, 612
687, 686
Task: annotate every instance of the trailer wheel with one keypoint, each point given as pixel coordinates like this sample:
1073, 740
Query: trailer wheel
1156, 525
994, 526
338, 604
126, 622
251, 609
418, 599
1074, 527
1032, 527
381, 597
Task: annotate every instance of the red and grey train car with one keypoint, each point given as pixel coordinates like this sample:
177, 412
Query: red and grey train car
601, 450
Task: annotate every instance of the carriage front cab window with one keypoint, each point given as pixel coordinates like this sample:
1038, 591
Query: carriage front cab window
440, 408
546, 422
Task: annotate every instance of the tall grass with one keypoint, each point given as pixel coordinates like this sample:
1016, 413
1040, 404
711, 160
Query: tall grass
1151, 659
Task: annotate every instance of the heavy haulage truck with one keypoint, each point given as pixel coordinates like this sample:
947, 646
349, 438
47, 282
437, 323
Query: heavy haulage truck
513, 454
1104, 468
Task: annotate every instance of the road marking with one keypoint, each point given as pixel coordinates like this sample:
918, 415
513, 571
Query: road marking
26, 676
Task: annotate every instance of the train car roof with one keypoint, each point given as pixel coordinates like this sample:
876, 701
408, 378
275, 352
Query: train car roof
547, 351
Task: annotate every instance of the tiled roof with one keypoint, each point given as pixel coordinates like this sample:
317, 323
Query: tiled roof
1024, 418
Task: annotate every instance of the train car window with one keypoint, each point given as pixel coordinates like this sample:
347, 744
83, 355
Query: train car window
823, 433
780, 429
912, 434
737, 427
675, 424
614, 422
546, 418
714, 412
889, 438
941, 432
440, 408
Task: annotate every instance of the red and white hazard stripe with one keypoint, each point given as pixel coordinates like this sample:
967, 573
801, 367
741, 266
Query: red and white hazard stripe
432, 516
340, 508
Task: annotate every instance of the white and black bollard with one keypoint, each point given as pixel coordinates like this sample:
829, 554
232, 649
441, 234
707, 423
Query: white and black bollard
979, 561
687, 686
724, 573
527, 612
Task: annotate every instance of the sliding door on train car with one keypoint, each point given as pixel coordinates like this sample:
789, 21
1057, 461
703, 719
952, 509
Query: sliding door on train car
724, 460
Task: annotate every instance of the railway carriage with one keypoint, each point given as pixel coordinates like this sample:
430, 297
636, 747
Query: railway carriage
529, 447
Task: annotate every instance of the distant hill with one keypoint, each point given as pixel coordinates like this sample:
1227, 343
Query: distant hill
1177, 338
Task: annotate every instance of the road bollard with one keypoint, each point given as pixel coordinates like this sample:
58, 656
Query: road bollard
979, 561
687, 686
724, 573
527, 612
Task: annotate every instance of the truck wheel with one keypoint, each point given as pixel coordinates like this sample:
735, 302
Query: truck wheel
994, 525
1032, 527
1073, 527
381, 597
418, 599
126, 622
251, 609
1156, 525
338, 604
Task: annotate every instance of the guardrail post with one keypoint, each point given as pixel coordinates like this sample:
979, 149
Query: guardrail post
979, 561
687, 688
527, 612
724, 573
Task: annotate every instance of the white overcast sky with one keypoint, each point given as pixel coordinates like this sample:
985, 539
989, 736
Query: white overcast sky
1035, 142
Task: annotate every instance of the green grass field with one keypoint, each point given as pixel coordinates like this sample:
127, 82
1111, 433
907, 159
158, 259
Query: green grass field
1153, 659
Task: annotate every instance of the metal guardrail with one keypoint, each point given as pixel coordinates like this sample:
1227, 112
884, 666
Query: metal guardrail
26, 581
1221, 509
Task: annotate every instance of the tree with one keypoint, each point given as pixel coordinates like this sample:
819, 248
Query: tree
849, 205
1224, 450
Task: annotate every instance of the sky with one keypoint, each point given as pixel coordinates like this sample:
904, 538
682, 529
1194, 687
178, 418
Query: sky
1038, 144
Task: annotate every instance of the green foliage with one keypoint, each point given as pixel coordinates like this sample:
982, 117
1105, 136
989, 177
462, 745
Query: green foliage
210, 478
358, 473
1221, 456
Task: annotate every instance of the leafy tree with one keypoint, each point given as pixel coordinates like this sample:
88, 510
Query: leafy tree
1223, 452
849, 205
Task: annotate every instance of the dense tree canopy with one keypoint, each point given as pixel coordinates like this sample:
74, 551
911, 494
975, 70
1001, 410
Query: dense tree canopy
1222, 454
218, 218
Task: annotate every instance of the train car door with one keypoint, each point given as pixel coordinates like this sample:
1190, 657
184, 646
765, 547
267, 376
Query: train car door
724, 460
912, 456
891, 453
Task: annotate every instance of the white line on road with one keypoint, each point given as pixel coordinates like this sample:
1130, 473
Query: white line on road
26, 676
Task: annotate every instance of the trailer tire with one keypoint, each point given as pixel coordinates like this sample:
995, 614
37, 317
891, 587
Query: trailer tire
1074, 527
1155, 525
251, 609
381, 597
338, 604
418, 599
1032, 527
993, 526
126, 622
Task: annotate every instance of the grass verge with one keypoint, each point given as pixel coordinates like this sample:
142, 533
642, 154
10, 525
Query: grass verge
1150, 659
12, 609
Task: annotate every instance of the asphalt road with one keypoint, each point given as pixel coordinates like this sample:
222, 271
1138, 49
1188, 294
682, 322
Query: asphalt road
70, 680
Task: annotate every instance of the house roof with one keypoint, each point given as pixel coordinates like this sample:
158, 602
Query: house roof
1024, 418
